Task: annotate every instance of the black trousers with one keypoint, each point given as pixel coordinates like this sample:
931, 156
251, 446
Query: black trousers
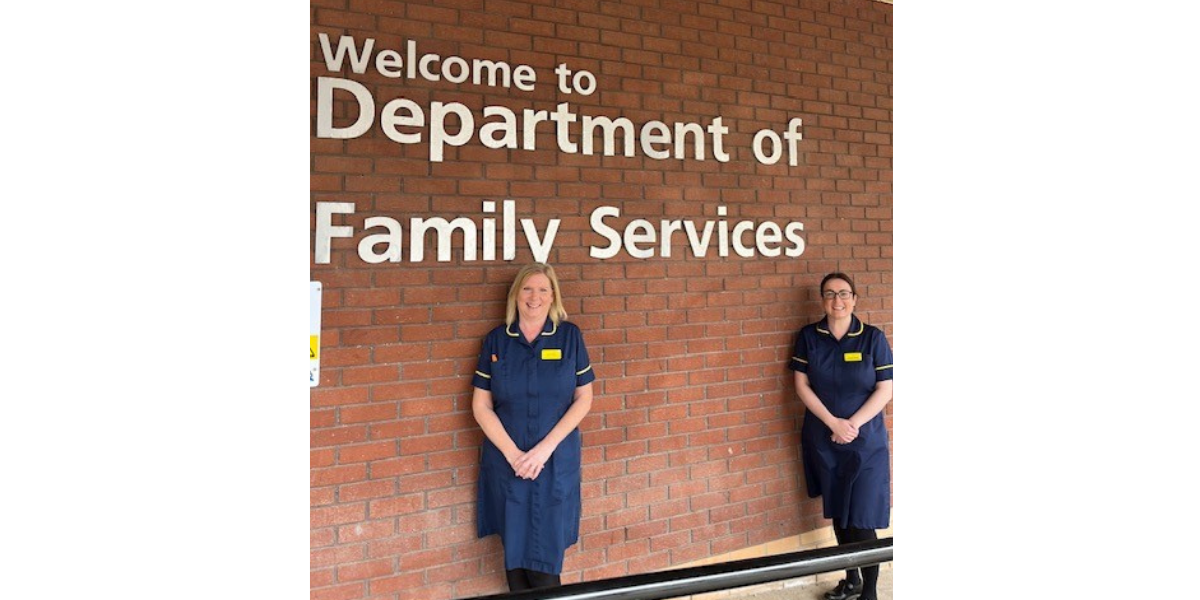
870, 575
524, 579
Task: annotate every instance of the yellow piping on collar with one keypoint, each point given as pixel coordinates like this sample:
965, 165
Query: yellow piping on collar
861, 328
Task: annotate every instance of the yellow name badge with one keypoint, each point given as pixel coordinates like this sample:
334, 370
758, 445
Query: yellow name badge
552, 354
853, 357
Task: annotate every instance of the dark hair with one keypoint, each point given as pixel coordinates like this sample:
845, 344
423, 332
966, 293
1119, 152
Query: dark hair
843, 277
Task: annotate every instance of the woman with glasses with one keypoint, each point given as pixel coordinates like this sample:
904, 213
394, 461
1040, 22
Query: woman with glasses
843, 375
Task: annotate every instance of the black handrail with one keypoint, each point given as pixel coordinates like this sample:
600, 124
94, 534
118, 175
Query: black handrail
710, 578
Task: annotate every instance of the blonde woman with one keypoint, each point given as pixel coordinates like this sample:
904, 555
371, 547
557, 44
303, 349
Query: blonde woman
533, 385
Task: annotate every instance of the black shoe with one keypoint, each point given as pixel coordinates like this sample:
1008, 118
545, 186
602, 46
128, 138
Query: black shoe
844, 591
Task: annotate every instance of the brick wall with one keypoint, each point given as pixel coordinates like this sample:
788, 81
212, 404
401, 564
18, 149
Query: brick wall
691, 448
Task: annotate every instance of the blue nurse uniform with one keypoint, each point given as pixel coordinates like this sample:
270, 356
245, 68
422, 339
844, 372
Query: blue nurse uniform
532, 386
853, 479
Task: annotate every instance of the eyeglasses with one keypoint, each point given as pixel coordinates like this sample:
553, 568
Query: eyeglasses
843, 294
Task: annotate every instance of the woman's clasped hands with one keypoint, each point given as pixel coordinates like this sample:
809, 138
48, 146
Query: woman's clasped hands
531, 464
844, 431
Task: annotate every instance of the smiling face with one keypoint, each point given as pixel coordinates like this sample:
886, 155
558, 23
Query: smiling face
535, 298
534, 294
837, 306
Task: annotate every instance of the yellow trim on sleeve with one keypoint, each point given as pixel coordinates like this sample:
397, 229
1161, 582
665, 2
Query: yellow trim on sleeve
589, 368
880, 368
483, 375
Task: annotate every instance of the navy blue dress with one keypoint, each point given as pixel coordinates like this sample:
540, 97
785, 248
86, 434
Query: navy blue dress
532, 387
854, 479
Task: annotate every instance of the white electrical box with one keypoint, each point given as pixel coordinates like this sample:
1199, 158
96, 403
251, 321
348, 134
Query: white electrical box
314, 333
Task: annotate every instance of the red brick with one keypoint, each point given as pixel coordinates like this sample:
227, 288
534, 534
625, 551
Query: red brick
339, 592
456, 458
338, 396
366, 452
365, 490
729, 543
425, 481
693, 403
361, 414
426, 406
671, 508
336, 475
424, 521
337, 515
688, 521
364, 570
426, 444
629, 551
320, 578
319, 538
707, 501
644, 464
451, 536
321, 496
690, 553
393, 545
403, 581
398, 466
625, 518
351, 376
366, 531
425, 559
479, 586
646, 496
453, 571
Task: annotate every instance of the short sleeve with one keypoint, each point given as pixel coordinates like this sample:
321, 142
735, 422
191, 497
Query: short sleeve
882, 354
483, 369
583, 364
799, 360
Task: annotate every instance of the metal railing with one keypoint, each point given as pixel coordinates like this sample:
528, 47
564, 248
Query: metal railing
710, 578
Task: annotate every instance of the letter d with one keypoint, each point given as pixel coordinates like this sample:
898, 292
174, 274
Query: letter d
366, 108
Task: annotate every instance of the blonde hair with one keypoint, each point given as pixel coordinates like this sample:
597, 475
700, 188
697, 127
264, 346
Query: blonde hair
558, 314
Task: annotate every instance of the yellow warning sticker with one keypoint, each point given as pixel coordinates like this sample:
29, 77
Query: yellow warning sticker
314, 347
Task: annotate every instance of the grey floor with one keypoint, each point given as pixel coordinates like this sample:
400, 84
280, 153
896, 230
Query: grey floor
806, 589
